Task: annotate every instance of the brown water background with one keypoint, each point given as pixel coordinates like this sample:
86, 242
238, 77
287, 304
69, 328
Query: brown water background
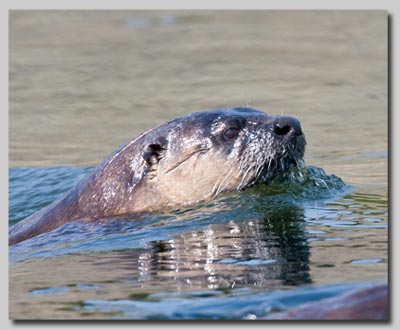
82, 83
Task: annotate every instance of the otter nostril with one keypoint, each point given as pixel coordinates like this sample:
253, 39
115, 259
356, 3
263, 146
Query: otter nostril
282, 130
286, 126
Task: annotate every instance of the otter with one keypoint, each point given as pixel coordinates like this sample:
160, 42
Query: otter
190, 159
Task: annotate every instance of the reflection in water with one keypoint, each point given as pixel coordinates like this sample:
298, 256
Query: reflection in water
252, 245
267, 252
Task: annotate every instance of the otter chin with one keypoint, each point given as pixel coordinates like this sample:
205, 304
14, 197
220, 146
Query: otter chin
192, 158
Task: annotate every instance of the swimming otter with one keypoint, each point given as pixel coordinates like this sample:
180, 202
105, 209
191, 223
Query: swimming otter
181, 162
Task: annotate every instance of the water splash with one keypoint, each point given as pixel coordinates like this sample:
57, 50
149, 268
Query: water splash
304, 184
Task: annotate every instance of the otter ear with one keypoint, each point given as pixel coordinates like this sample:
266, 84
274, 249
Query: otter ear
155, 151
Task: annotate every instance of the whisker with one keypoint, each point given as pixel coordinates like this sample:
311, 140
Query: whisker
218, 186
190, 155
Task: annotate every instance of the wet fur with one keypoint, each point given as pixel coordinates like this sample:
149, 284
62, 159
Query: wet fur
175, 164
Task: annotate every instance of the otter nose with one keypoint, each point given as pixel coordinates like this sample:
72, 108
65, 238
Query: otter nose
286, 126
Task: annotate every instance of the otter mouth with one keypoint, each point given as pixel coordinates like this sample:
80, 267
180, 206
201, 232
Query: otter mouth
296, 162
277, 157
276, 167
290, 157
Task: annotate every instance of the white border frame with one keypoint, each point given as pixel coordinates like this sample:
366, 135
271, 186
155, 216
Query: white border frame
393, 8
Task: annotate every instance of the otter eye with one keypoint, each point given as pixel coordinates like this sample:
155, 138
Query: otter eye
231, 133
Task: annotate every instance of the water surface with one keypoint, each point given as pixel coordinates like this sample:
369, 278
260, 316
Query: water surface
243, 251
84, 82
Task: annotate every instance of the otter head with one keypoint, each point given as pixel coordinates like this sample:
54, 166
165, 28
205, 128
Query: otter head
201, 155
187, 160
